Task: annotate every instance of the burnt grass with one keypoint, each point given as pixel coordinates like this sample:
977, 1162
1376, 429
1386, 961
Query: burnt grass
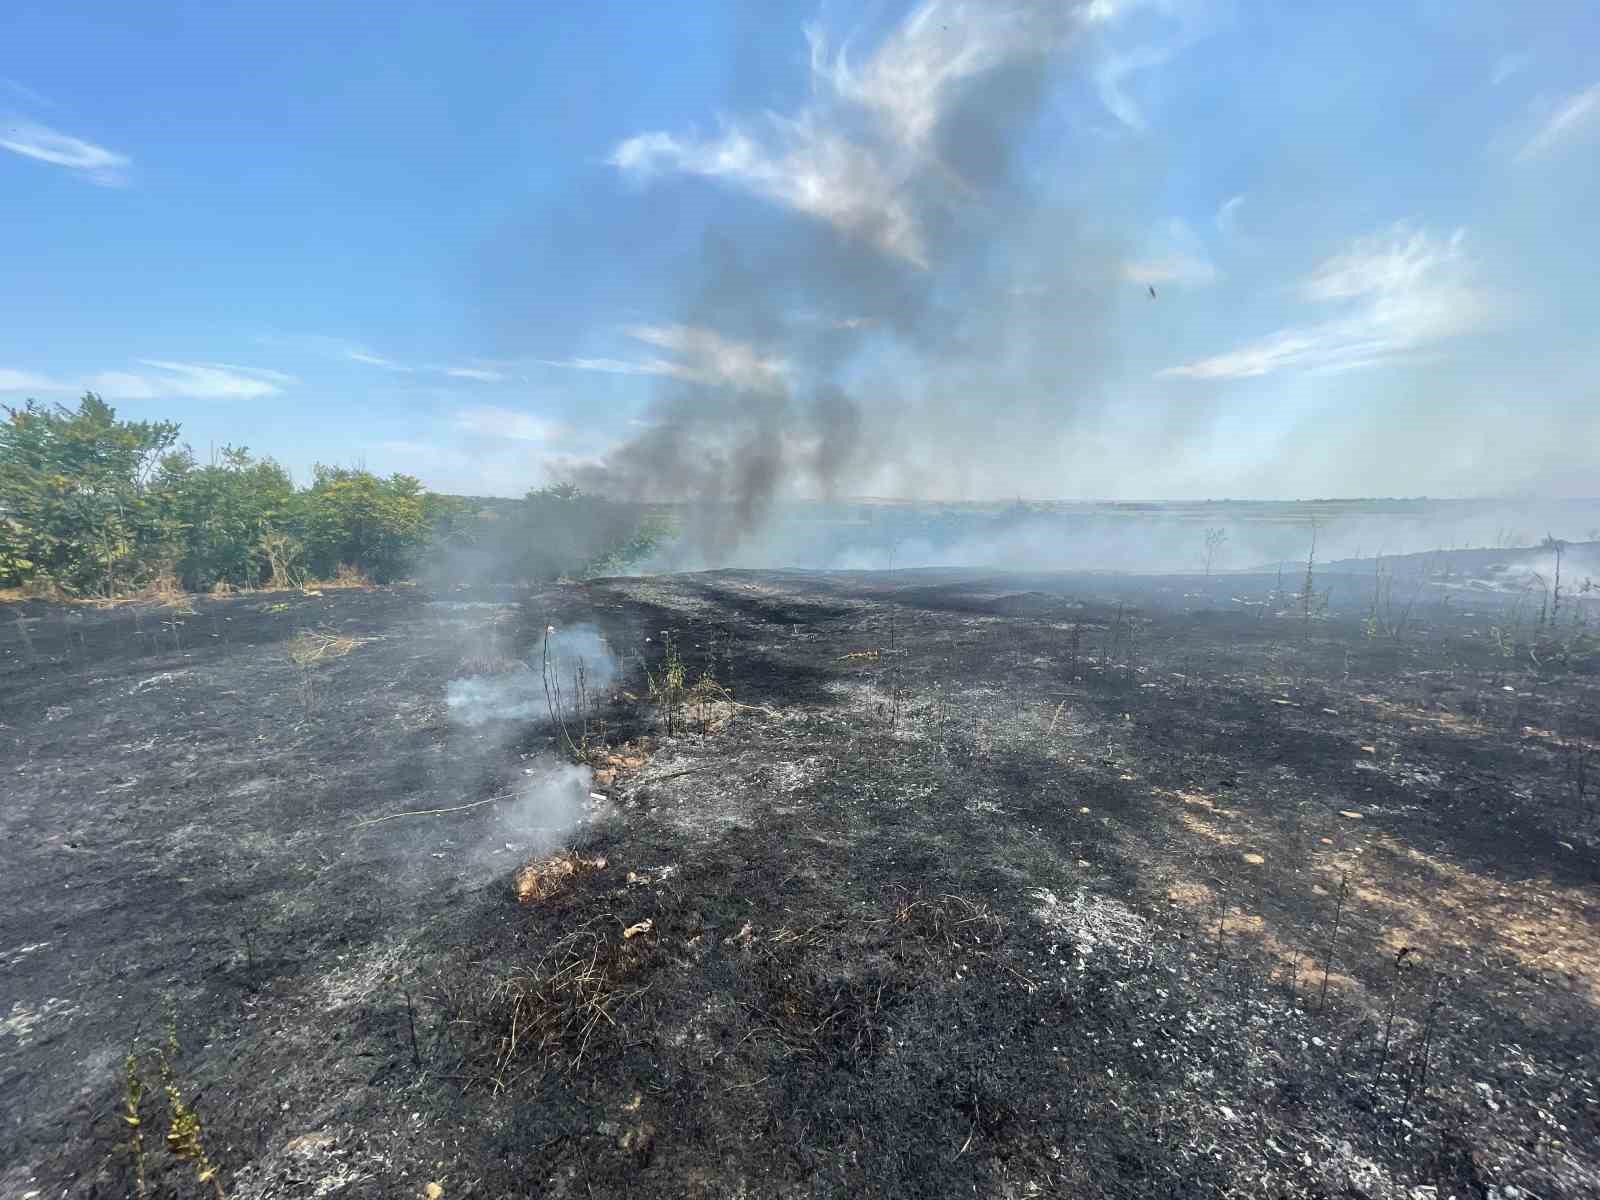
1007, 886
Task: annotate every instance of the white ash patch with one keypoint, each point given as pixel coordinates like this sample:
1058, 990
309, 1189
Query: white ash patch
1091, 922
651, 875
1346, 1173
156, 681
794, 775
353, 982
695, 796
12, 957
24, 1020
312, 1164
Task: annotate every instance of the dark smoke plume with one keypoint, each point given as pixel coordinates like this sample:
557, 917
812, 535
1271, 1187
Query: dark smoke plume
914, 319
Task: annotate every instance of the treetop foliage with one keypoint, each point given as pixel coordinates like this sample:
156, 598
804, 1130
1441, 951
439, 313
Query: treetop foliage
99, 506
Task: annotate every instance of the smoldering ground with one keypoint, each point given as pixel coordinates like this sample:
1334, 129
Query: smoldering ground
546, 684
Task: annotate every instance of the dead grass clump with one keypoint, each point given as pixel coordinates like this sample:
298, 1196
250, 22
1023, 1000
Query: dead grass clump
35, 589
344, 576
318, 645
543, 877
859, 656
608, 764
558, 1011
165, 589
950, 922
820, 1015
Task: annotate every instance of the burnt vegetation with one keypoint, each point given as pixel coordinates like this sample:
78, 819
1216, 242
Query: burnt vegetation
1201, 885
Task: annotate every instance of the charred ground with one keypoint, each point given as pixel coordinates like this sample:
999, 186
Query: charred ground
1008, 886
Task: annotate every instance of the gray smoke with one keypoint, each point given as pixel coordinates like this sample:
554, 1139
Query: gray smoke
479, 699
916, 323
558, 674
565, 673
553, 800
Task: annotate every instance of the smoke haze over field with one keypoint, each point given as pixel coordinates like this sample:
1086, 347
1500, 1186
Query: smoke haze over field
729, 254
936, 303
894, 338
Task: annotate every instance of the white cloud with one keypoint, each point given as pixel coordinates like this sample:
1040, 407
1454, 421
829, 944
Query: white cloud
262, 372
863, 183
210, 380
1109, 77
1576, 115
1228, 216
705, 356
804, 165
165, 379
27, 381
617, 366
1508, 65
95, 163
1405, 291
909, 82
355, 354
494, 422
361, 354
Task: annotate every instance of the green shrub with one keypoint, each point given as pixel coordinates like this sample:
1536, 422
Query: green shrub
75, 505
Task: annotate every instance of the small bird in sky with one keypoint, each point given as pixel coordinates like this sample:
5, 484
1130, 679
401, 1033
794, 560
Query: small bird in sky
1152, 290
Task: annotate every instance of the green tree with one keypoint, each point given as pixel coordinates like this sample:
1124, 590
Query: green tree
223, 513
353, 518
76, 507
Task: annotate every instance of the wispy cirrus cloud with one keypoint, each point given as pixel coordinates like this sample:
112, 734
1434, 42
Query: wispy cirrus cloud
1510, 64
164, 378
857, 157
1575, 116
356, 354
1110, 78
360, 354
12, 380
1405, 291
1227, 219
95, 163
704, 356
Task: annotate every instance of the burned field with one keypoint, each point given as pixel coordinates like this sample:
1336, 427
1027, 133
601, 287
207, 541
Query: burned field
823, 884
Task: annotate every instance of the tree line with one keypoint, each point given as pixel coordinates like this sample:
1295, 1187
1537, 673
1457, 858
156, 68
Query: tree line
97, 506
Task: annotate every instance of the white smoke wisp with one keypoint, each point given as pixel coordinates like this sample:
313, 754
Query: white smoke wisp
550, 805
566, 672
575, 650
480, 699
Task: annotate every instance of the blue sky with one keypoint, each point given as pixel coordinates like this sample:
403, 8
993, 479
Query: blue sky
488, 244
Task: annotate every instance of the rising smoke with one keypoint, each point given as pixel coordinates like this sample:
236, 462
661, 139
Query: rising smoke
559, 675
919, 272
544, 680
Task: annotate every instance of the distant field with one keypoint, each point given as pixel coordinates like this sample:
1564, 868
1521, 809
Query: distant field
1146, 536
